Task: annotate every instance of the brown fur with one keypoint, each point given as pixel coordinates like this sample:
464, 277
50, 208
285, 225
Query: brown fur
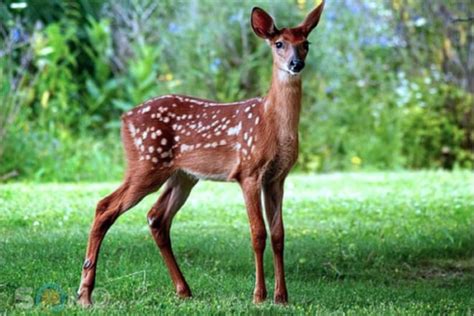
179, 139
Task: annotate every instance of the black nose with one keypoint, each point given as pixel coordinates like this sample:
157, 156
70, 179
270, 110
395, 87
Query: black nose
296, 65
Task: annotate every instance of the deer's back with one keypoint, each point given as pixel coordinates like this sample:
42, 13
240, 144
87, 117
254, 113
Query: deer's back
204, 138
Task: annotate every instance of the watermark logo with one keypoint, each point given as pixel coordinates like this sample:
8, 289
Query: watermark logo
51, 296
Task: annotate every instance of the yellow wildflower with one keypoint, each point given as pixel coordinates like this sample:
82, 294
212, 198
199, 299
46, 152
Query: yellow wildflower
301, 4
356, 161
45, 99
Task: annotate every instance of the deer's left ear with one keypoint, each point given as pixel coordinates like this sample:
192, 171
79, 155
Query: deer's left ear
312, 19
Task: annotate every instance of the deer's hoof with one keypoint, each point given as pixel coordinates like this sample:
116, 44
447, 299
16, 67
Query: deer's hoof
259, 296
281, 298
183, 292
84, 300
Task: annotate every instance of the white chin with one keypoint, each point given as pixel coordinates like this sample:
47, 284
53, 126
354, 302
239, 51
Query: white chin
285, 74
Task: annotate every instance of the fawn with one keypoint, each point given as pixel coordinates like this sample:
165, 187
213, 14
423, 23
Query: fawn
180, 139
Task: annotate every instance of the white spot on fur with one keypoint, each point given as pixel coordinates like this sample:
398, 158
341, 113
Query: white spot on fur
164, 141
132, 129
249, 142
185, 147
234, 130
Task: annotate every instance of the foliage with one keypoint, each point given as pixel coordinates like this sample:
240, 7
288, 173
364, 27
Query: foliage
365, 243
59, 158
382, 89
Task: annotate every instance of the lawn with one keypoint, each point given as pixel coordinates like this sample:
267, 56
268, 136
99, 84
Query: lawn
359, 243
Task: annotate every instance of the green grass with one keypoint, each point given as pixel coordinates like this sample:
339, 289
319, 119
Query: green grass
368, 243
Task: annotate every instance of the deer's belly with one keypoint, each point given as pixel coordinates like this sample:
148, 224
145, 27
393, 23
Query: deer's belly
214, 165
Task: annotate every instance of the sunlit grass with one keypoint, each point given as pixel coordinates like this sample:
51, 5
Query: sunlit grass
370, 243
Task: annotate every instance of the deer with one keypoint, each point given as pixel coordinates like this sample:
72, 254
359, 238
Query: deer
176, 140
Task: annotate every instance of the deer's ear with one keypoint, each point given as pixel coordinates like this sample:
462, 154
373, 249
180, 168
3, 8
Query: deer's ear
312, 19
262, 23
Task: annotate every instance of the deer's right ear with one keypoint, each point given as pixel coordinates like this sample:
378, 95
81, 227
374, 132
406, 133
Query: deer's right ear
262, 23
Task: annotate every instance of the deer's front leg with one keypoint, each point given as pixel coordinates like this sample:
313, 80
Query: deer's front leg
273, 193
251, 189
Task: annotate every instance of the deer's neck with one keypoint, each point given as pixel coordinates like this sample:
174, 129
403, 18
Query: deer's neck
283, 104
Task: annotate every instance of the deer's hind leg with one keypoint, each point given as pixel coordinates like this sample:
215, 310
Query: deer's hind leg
132, 191
160, 217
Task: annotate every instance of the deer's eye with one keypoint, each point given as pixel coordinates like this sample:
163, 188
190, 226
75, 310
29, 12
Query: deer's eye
278, 45
306, 45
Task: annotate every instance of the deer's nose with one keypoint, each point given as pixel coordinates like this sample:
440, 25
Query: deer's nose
296, 65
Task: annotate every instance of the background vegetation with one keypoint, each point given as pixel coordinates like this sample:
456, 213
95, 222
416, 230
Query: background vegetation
389, 83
